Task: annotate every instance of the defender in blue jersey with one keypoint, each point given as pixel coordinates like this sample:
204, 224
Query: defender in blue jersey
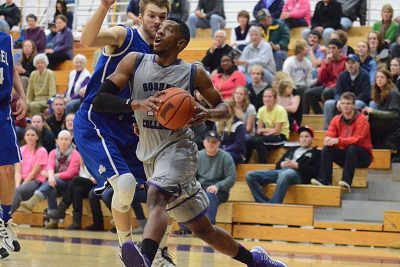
9, 149
106, 141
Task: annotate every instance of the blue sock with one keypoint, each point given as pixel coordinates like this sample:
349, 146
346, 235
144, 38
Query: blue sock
5, 212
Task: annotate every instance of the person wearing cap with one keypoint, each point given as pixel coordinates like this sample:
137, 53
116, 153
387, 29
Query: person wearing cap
354, 79
277, 33
347, 143
328, 74
326, 19
297, 166
274, 7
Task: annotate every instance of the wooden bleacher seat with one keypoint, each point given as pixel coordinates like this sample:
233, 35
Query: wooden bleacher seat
206, 33
314, 121
349, 225
66, 65
391, 221
61, 80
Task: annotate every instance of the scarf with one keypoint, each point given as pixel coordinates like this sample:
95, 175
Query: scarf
62, 160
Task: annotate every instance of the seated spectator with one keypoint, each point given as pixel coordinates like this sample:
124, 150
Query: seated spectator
274, 7
272, 127
296, 13
387, 27
61, 9
328, 74
395, 46
326, 19
244, 110
257, 86
62, 167
342, 36
395, 71
366, 61
201, 129
258, 52
208, 14
227, 77
212, 59
384, 116
63, 45
180, 9
316, 52
47, 138
69, 126
132, 11
51, 36
239, 35
297, 166
378, 49
288, 98
32, 32
347, 143
354, 79
233, 133
56, 120
353, 9
10, 16
77, 82
277, 34
42, 85
29, 172
25, 65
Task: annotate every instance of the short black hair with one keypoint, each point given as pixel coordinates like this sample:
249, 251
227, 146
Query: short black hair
183, 28
316, 33
31, 16
336, 42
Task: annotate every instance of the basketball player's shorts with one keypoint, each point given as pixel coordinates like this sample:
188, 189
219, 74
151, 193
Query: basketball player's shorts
107, 146
9, 148
173, 171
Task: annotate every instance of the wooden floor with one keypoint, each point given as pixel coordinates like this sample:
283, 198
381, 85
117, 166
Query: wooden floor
61, 248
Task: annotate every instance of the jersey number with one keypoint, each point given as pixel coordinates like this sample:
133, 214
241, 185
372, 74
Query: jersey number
1, 76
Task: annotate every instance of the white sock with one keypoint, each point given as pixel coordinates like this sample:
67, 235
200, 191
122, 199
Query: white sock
164, 241
124, 236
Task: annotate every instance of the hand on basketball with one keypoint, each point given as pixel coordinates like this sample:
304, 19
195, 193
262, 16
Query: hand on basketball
201, 114
213, 189
20, 109
150, 104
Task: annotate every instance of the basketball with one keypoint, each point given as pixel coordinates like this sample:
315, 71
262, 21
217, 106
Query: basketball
177, 109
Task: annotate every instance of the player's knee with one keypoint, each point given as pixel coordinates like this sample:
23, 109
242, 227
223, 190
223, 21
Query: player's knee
124, 189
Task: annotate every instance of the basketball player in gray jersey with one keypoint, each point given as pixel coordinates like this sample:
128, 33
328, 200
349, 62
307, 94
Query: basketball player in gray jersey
170, 157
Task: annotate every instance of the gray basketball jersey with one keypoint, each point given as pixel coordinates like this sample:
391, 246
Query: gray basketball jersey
148, 79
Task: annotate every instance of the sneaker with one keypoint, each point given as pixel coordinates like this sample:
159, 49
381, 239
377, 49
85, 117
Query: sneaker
163, 258
262, 259
132, 257
316, 182
3, 253
8, 233
345, 186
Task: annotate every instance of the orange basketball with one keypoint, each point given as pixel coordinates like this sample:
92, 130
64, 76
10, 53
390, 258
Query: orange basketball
177, 109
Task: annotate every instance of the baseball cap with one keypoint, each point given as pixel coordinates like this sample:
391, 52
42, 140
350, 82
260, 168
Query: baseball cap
212, 135
353, 57
306, 129
263, 13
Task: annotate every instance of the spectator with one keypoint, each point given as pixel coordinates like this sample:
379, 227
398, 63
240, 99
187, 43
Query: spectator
342, 36
10, 15
257, 86
354, 79
272, 127
20, 123
326, 19
378, 49
42, 85
257, 52
201, 129
244, 110
387, 27
133, 11
353, 9
212, 59
25, 66
366, 61
315, 52
180, 9
384, 116
274, 7
227, 77
277, 34
62, 167
34, 33
46, 135
297, 166
395, 71
63, 45
56, 120
208, 14
51, 37
233, 133
347, 143
239, 35
328, 74
77, 82
29, 173
69, 126
395, 46
296, 13
61, 9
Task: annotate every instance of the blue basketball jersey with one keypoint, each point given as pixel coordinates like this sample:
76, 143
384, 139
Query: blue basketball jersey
6, 69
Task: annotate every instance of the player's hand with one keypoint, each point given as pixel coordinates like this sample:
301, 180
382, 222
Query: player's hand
107, 3
201, 114
213, 189
136, 129
21, 108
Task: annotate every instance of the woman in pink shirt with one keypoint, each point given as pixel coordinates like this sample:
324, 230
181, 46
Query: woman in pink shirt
227, 77
28, 173
62, 166
297, 13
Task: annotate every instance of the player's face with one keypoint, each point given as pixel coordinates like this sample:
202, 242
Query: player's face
305, 139
151, 19
37, 122
31, 137
166, 38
